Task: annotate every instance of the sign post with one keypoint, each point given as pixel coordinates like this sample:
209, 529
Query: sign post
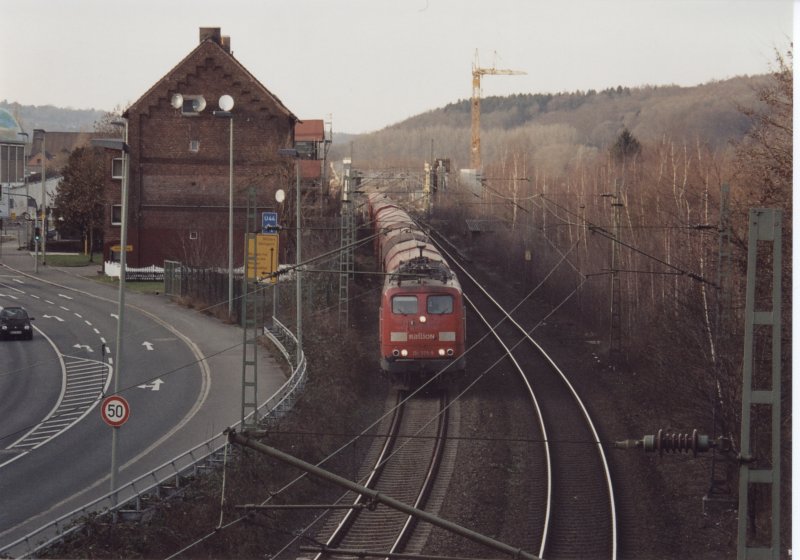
115, 412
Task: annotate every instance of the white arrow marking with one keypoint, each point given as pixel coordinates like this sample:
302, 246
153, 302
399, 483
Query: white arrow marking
148, 345
154, 386
56, 317
89, 348
115, 316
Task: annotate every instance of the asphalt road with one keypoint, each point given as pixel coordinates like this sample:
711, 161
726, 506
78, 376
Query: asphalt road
180, 373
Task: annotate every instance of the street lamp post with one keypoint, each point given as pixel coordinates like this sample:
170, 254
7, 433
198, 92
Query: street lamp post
198, 103
225, 105
123, 146
25, 168
44, 198
293, 153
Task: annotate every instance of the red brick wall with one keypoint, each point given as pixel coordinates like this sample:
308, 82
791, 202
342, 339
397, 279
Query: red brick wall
174, 193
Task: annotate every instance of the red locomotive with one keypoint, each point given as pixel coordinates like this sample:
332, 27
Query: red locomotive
422, 320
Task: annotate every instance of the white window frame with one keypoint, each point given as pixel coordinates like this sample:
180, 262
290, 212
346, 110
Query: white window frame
116, 168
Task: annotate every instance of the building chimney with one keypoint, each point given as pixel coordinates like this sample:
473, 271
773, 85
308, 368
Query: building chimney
226, 43
212, 33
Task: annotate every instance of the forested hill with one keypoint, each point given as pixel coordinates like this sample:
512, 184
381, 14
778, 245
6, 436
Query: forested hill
49, 117
710, 113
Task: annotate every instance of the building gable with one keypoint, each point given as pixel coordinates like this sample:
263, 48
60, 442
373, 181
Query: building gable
211, 61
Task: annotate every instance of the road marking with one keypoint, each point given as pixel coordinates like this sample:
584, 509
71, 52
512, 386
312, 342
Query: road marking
85, 382
148, 345
56, 317
79, 346
64, 296
154, 386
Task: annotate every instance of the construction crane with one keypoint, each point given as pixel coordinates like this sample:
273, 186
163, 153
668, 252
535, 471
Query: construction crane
477, 72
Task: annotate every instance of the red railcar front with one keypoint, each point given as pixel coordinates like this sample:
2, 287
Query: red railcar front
422, 327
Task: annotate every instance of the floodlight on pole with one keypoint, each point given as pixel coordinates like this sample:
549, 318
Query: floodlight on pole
226, 104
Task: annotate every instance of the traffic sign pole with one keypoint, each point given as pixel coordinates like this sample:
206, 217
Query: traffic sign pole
115, 412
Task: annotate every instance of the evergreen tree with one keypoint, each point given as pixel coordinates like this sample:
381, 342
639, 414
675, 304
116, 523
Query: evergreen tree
626, 146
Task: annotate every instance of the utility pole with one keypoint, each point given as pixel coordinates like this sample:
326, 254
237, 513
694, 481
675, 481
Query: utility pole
719, 488
41, 133
760, 455
347, 238
615, 342
251, 301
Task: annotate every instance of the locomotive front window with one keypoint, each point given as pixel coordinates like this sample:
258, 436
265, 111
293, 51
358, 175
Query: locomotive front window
405, 305
440, 305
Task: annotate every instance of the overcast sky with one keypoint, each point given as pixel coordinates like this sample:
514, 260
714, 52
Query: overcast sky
372, 63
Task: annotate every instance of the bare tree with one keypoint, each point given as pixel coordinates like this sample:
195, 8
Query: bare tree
79, 198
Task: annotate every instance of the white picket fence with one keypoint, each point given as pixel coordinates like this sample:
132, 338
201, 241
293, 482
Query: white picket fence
152, 273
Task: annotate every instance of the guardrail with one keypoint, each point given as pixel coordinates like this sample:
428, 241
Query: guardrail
130, 500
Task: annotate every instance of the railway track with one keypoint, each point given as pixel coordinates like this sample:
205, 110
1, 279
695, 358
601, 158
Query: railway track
572, 513
405, 464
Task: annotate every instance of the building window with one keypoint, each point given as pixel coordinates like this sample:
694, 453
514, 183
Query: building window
194, 146
193, 105
306, 150
116, 168
11, 163
116, 215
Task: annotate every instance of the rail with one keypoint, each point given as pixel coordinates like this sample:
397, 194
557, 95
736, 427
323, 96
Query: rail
130, 500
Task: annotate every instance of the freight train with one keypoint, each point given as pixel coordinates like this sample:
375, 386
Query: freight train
422, 318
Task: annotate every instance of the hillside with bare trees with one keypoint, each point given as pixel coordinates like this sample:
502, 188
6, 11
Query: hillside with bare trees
630, 207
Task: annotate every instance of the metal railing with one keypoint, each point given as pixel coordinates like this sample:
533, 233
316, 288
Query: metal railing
130, 500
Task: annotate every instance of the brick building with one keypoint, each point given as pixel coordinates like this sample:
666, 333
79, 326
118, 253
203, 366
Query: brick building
180, 160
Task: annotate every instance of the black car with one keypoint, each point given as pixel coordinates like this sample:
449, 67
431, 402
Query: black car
14, 321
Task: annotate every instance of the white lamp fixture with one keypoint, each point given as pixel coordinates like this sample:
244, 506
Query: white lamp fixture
199, 103
226, 102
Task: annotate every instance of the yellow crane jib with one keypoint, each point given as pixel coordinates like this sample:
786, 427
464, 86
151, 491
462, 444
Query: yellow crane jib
477, 72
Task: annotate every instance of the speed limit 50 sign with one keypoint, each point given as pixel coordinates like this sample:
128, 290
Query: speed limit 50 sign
115, 411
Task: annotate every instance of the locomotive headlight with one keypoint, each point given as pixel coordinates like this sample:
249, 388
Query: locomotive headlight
449, 351
441, 351
422, 318
395, 353
404, 352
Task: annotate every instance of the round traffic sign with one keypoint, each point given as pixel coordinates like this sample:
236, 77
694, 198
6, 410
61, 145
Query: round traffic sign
115, 411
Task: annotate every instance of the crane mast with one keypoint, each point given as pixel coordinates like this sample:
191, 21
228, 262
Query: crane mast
477, 72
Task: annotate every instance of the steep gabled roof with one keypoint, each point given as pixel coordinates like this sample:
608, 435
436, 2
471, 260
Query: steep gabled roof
209, 48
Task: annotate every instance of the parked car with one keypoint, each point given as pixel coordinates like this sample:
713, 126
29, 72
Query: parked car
15, 321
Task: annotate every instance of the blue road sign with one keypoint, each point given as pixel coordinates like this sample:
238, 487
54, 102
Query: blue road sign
269, 222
